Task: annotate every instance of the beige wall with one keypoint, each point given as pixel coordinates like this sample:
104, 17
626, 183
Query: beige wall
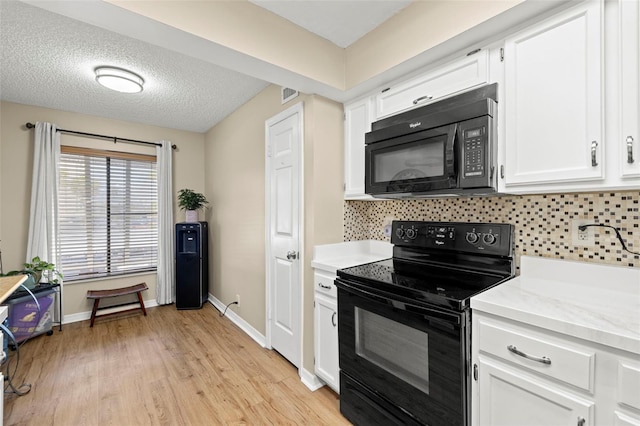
253, 31
235, 185
16, 156
419, 27
257, 33
323, 197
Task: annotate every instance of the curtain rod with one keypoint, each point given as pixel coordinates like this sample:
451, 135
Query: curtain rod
95, 135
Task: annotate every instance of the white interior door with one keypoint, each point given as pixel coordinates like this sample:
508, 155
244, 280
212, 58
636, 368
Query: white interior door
284, 293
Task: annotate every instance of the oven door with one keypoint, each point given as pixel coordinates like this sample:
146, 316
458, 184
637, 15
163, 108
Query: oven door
411, 357
410, 163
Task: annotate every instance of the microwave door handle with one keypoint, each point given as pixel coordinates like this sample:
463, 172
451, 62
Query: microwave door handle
452, 150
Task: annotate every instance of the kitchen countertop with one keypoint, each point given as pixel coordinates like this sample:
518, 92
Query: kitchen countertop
331, 257
594, 302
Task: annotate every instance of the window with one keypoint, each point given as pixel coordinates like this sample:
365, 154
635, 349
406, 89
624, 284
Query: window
108, 212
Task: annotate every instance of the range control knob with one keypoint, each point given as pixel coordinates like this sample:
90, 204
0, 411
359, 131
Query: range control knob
411, 233
400, 233
489, 239
472, 237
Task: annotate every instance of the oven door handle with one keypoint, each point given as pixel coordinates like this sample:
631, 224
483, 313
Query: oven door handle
394, 300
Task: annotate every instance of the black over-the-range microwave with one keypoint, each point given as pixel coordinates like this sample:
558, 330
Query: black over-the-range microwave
448, 147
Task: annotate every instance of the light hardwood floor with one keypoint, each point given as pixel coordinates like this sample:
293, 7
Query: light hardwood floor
172, 367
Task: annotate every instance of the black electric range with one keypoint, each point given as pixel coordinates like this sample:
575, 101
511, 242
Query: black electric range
404, 324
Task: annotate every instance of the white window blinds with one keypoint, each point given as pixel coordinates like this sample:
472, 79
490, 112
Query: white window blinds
108, 213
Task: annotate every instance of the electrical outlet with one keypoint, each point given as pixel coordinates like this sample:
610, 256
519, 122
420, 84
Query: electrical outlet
386, 226
238, 299
581, 238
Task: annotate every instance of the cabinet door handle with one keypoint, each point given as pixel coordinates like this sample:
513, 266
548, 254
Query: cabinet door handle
422, 98
543, 359
630, 149
328, 287
594, 160
581, 421
333, 319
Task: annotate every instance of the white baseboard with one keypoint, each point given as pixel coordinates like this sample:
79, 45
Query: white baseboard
237, 320
310, 380
83, 316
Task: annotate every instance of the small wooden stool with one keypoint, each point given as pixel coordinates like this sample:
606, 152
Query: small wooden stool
115, 292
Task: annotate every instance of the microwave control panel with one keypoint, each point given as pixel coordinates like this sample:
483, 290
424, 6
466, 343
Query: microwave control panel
474, 142
476, 157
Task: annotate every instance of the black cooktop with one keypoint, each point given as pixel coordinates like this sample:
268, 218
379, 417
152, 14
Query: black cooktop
441, 286
440, 264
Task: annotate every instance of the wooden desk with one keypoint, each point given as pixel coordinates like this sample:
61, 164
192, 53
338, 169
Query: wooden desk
9, 284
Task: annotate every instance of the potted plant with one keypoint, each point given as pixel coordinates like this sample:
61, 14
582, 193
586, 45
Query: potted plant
191, 202
38, 268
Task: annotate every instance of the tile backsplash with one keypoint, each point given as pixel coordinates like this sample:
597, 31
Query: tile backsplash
543, 223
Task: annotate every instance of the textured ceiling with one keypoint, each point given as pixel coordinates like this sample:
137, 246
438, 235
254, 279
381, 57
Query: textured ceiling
340, 22
47, 60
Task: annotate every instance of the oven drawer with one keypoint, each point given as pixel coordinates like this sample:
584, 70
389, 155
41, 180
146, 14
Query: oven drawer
364, 407
323, 283
546, 355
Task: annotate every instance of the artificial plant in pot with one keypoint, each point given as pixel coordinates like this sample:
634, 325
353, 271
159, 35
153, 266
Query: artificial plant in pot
191, 202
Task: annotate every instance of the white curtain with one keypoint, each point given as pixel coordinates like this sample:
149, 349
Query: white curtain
166, 288
43, 218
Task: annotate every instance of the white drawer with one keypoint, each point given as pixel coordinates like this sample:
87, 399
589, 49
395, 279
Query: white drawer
537, 352
323, 283
629, 384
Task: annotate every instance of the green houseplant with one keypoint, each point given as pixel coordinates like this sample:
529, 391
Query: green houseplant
38, 268
191, 201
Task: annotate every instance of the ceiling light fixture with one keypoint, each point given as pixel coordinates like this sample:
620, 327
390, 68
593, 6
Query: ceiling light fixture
119, 79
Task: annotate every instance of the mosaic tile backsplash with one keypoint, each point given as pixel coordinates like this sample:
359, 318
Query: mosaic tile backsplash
543, 223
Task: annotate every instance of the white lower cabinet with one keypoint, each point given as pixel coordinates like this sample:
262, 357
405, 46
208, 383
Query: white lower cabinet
529, 376
622, 419
326, 330
508, 396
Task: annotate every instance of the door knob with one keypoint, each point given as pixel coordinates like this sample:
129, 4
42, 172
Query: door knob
292, 255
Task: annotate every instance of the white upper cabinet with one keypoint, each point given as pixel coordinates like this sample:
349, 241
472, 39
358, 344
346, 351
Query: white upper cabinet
357, 122
629, 139
553, 112
461, 74
568, 100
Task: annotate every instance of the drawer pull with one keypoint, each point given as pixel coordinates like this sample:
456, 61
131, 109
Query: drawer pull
328, 287
422, 98
543, 360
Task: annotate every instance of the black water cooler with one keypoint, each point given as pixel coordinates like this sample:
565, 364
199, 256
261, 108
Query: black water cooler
192, 264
